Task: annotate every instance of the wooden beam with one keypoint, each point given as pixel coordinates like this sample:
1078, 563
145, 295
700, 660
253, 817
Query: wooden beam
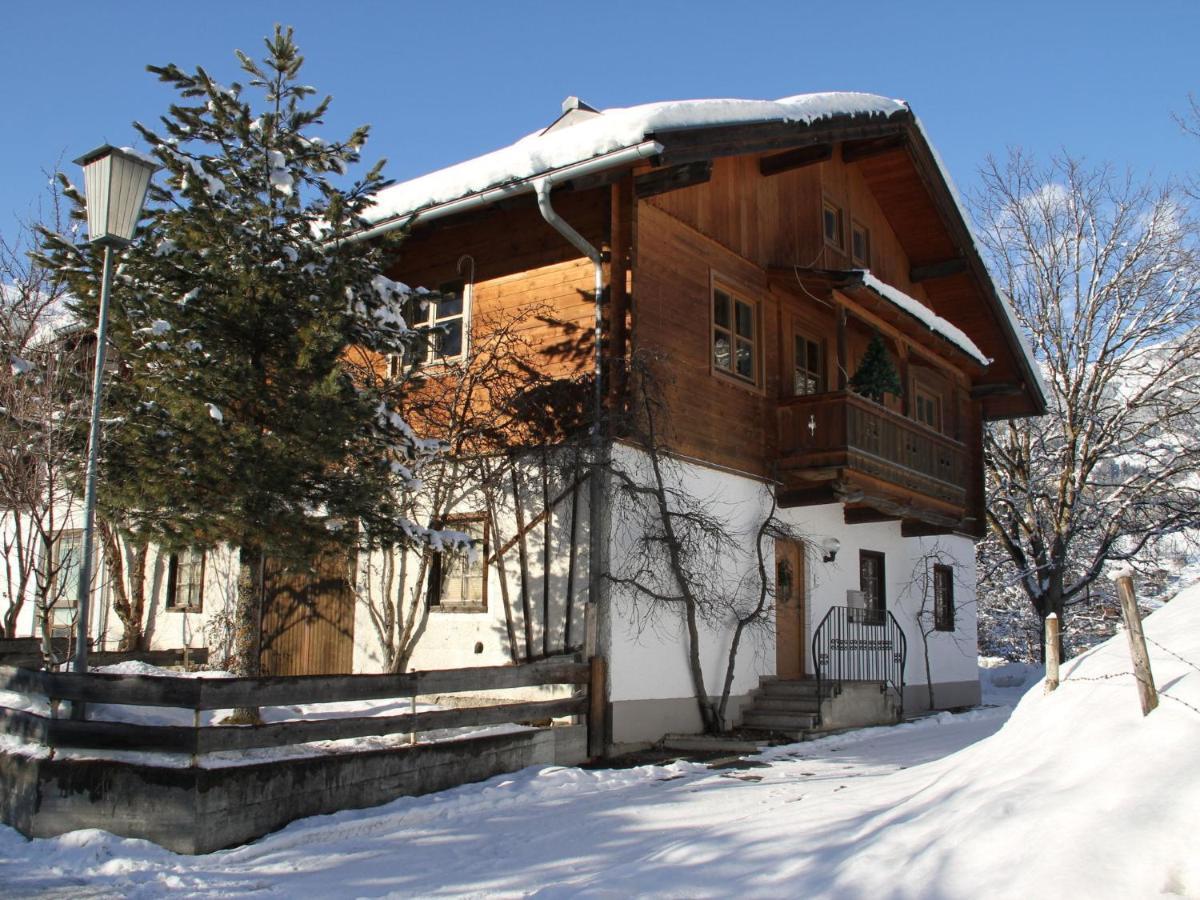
854, 151
942, 269
814, 496
672, 178
795, 159
917, 528
691, 144
995, 389
867, 516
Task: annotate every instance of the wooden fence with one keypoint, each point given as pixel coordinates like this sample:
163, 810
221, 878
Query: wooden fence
27, 653
198, 694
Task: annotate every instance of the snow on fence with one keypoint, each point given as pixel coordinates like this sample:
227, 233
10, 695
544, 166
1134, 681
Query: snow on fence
196, 695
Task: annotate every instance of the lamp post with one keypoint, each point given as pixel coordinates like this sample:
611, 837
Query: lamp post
115, 184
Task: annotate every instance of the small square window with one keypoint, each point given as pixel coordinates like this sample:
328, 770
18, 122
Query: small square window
442, 320
860, 244
832, 224
943, 598
185, 580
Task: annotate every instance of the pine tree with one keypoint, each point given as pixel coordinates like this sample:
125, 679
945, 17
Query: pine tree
235, 418
876, 373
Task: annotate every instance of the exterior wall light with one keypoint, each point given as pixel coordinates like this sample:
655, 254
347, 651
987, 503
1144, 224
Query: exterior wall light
830, 545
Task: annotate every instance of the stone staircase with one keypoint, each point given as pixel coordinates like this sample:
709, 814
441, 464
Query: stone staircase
787, 706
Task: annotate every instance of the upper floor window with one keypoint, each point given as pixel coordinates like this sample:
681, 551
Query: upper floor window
444, 324
860, 244
943, 598
735, 342
185, 580
458, 579
832, 225
808, 371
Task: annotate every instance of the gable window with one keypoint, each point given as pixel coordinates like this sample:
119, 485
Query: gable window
927, 407
831, 218
860, 244
457, 579
63, 563
444, 324
943, 598
185, 580
735, 335
871, 583
808, 370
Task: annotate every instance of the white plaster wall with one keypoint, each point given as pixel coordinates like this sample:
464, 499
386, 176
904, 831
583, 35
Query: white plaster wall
450, 638
648, 649
952, 654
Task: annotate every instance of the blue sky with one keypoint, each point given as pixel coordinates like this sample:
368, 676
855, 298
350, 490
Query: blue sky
443, 82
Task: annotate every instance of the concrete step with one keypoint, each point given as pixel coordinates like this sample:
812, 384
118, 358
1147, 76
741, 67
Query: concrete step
779, 687
786, 703
778, 722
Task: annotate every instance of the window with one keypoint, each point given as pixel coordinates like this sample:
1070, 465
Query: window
927, 406
832, 225
808, 370
444, 322
860, 244
871, 583
458, 580
943, 598
63, 564
735, 335
185, 580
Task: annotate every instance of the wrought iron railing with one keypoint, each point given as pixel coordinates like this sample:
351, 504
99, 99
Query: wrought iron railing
857, 644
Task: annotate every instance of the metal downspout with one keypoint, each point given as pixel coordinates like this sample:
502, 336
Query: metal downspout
596, 483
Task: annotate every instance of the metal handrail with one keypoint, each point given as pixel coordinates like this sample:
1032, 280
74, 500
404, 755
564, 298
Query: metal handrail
857, 644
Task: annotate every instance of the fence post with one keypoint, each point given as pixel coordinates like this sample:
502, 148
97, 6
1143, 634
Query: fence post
1052, 657
597, 704
1137, 643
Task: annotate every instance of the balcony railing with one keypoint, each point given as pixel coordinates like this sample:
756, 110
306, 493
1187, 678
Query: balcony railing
844, 430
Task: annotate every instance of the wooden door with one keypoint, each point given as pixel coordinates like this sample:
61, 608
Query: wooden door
308, 615
789, 609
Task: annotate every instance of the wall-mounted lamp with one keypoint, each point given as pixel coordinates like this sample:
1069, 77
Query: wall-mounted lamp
830, 546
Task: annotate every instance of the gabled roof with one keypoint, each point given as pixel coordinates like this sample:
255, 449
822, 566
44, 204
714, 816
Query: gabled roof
548, 150
896, 156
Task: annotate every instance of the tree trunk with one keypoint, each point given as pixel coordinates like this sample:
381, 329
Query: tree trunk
246, 659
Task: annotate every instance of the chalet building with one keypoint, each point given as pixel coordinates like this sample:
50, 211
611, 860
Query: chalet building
757, 252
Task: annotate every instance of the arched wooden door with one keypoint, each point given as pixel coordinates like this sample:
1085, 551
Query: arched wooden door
789, 609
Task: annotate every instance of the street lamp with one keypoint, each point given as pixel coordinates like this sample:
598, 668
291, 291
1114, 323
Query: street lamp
115, 182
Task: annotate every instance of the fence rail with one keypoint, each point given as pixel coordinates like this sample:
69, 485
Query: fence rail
199, 694
857, 644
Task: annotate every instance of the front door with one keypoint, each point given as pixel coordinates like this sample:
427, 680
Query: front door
789, 609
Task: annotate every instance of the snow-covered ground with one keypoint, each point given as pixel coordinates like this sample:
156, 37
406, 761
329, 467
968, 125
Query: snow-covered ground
1073, 794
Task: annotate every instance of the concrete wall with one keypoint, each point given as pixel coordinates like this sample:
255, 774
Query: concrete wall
194, 810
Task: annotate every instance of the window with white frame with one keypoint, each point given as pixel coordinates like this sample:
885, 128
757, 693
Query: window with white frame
443, 321
185, 580
458, 578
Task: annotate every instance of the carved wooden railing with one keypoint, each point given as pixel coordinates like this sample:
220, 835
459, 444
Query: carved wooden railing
843, 429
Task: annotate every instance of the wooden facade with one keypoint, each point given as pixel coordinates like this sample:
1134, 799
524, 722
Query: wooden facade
777, 224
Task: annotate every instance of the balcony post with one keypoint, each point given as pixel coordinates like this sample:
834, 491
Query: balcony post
841, 347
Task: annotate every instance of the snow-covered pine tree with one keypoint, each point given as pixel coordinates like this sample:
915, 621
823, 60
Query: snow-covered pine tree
235, 418
876, 373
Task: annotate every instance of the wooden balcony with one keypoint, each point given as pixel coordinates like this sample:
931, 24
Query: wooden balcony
848, 448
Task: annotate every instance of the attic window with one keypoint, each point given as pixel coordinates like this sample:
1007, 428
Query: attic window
860, 244
832, 225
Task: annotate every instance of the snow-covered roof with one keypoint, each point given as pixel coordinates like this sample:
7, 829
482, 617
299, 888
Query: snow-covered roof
545, 151
925, 316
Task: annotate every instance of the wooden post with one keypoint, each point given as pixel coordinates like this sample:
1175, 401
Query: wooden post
597, 704
1052, 659
1137, 643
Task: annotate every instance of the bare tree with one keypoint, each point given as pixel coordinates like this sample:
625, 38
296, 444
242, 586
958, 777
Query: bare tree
1103, 276
497, 417
679, 549
41, 359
